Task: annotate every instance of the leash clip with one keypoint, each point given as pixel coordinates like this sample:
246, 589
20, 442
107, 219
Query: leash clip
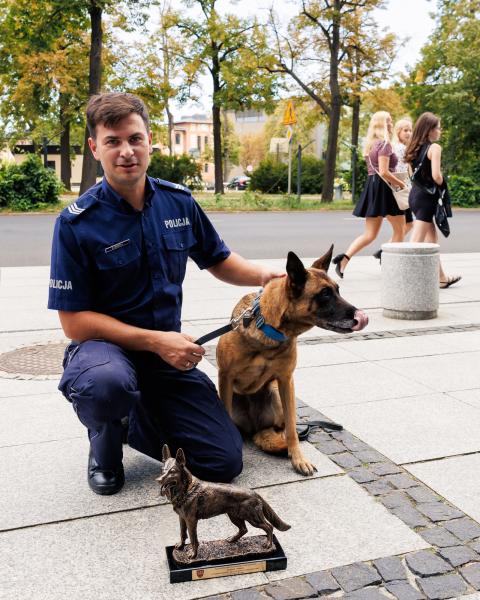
244, 316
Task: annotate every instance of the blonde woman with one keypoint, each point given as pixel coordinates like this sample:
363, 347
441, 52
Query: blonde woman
377, 201
402, 132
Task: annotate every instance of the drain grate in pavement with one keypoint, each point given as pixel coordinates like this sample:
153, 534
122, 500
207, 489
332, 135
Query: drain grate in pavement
40, 360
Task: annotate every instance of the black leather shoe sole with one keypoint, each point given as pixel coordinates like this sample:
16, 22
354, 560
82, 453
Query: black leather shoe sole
104, 481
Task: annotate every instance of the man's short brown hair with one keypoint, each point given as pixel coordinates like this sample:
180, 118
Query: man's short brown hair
110, 108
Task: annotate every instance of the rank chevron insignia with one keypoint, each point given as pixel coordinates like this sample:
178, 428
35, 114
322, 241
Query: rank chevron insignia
75, 209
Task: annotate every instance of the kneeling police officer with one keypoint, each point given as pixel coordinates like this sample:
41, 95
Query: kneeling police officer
118, 262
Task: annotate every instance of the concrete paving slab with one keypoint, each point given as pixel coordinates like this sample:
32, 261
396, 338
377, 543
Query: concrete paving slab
106, 557
12, 340
471, 397
47, 482
325, 354
28, 320
461, 341
57, 469
41, 418
442, 373
336, 385
335, 522
400, 347
456, 478
21, 387
413, 429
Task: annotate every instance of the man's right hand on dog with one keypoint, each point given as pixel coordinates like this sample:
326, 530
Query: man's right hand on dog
177, 349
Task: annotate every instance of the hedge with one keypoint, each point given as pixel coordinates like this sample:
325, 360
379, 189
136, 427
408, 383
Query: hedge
178, 169
272, 177
29, 185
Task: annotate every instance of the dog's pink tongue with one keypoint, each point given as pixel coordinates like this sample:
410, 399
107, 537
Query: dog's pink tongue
361, 319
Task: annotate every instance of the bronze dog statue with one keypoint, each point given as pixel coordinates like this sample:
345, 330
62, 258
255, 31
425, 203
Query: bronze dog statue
193, 499
255, 370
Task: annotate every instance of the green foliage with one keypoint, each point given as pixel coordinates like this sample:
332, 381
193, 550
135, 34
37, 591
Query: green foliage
272, 177
312, 175
29, 185
446, 81
177, 169
361, 177
464, 191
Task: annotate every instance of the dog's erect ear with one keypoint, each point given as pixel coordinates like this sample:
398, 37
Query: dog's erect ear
297, 274
166, 453
323, 262
180, 457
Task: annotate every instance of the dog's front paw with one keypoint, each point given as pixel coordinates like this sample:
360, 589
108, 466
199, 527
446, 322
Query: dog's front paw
302, 465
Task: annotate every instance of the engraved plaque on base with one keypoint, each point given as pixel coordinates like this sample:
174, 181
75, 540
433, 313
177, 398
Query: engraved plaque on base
218, 558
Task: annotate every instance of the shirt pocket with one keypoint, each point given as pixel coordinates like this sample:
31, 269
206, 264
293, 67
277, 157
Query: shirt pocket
178, 246
118, 258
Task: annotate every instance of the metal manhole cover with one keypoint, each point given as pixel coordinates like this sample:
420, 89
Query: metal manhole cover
43, 361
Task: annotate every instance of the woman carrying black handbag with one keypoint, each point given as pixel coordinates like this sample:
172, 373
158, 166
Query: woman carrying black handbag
424, 155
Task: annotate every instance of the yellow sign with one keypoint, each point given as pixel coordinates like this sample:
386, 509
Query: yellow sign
289, 133
289, 117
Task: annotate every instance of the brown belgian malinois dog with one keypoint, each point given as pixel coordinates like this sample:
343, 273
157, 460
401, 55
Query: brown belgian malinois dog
256, 371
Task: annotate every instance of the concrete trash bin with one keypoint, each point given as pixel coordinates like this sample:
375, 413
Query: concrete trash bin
410, 280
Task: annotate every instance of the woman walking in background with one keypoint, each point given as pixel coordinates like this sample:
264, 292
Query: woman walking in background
377, 201
402, 132
428, 183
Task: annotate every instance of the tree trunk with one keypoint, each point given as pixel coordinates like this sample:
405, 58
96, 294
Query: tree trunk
65, 164
217, 148
89, 167
336, 107
170, 129
355, 134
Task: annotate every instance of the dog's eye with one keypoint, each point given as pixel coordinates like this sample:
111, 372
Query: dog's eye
325, 294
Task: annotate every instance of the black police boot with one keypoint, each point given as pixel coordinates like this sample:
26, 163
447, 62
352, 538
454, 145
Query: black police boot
104, 481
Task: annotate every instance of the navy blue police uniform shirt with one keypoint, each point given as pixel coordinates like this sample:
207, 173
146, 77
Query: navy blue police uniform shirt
109, 258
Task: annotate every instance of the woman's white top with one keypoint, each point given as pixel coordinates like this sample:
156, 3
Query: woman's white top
399, 150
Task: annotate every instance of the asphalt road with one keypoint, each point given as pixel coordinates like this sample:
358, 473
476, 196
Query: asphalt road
25, 239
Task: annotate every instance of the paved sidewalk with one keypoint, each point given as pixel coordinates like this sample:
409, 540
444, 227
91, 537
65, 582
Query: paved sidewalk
393, 510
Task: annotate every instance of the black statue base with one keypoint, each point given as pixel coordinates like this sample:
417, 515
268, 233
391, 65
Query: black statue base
219, 558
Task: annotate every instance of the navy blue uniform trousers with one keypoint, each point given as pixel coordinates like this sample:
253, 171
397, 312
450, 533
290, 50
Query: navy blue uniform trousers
105, 383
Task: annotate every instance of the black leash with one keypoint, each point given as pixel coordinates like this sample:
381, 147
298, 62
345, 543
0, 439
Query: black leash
305, 429
213, 334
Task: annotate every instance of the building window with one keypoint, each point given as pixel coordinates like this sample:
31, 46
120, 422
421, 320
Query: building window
177, 139
205, 168
199, 142
206, 140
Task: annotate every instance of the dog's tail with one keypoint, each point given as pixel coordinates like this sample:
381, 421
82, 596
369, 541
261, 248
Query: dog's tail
271, 440
272, 517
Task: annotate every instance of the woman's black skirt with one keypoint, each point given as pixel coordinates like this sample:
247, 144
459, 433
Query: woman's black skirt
423, 205
377, 200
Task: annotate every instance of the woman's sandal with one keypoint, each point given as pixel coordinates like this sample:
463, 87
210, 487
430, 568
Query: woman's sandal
450, 281
337, 261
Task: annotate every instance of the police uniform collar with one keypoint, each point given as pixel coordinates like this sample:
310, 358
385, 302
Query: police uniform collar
111, 194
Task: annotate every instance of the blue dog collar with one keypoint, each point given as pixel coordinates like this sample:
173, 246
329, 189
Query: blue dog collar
260, 324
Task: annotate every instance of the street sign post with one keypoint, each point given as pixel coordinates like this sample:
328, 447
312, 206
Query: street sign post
289, 119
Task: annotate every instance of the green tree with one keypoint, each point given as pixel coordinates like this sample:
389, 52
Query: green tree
446, 81
313, 53
224, 47
43, 57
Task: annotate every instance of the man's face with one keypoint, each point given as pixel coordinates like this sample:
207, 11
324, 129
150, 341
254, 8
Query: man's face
124, 150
